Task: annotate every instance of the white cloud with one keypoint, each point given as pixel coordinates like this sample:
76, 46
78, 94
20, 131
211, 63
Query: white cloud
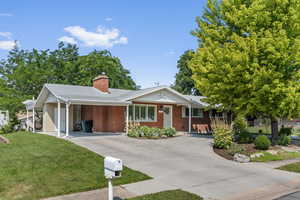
103, 37
67, 39
6, 15
8, 44
108, 19
6, 34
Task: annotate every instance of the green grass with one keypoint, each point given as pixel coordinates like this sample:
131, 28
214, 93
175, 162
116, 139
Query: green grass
255, 129
280, 156
169, 195
294, 167
35, 166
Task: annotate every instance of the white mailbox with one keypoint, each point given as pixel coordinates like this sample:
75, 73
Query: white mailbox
112, 167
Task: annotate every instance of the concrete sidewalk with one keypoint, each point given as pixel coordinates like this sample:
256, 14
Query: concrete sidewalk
101, 194
120, 192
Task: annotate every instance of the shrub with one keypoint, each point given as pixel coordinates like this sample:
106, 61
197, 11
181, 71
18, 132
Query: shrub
262, 142
239, 124
284, 140
223, 138
150, 132
8, 128
235, 148
285, 131
169, 132
244, 138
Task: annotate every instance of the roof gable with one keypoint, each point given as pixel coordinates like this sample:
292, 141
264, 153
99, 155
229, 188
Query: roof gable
162, 95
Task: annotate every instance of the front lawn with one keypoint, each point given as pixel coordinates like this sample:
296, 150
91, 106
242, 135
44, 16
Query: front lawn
35, 166
171, 195
267, 157
294, 167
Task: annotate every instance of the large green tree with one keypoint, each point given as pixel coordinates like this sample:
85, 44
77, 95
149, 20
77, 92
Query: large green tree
183, 79
23, 73
248, 58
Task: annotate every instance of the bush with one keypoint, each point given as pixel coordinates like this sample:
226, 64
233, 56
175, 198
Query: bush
223, 138
239, 124
150, 132
235, 148
285, 131
244, 138
8, 128
262, 142
169, 132
284, 140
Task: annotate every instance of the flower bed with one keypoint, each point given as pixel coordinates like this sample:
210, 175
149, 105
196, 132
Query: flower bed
150, 132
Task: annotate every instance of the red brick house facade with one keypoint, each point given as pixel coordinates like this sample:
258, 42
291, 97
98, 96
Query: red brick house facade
65, 107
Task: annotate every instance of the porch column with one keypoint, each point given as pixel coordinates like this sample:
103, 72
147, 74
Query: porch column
67, 119
33, 117
127, 118
190, 118
58, 118
27, 120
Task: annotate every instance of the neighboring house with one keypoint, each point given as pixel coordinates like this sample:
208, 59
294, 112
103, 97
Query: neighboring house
64, 107
4, 117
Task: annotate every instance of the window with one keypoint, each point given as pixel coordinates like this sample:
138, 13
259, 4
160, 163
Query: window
215, 114
142, 113
196, 112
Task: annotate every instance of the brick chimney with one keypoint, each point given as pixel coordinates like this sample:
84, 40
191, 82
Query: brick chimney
101, 82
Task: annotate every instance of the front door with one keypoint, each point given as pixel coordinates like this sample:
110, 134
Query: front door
168, 117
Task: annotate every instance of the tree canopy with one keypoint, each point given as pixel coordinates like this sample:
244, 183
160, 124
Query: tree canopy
184, 82
248, 58
23, 73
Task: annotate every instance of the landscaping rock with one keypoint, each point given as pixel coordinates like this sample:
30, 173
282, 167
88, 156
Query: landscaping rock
291, 149
273, 152
256, 155
241, 158
4, 140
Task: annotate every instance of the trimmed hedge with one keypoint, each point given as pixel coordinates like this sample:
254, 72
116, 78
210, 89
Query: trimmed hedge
262, 142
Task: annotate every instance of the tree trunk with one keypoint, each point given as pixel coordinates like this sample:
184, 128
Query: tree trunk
274, 130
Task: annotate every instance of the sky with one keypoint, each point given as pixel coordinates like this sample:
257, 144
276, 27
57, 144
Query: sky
147, 36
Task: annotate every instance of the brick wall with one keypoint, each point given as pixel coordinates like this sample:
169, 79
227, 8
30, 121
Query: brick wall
105, 118
112, 118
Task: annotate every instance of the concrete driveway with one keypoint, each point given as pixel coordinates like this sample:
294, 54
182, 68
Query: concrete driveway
189, 163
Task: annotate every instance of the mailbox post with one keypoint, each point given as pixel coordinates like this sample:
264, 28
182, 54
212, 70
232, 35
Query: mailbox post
112, 169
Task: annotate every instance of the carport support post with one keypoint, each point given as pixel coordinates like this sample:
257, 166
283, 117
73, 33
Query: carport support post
27, 118
127, 118
67, 119
58, 118
33, 117
190, 117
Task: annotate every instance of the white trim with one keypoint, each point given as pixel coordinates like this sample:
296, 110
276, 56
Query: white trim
190, 118
158, 89
99, 103
33, 117
67, 119
145, 105
127, 119
58, 118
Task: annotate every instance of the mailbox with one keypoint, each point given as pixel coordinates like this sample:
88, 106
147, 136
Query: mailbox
112, 167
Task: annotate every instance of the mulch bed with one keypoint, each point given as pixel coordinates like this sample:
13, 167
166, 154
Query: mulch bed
249, 149
4, 140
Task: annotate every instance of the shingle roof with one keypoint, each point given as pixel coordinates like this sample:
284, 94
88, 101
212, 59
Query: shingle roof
198, 100
77, 94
